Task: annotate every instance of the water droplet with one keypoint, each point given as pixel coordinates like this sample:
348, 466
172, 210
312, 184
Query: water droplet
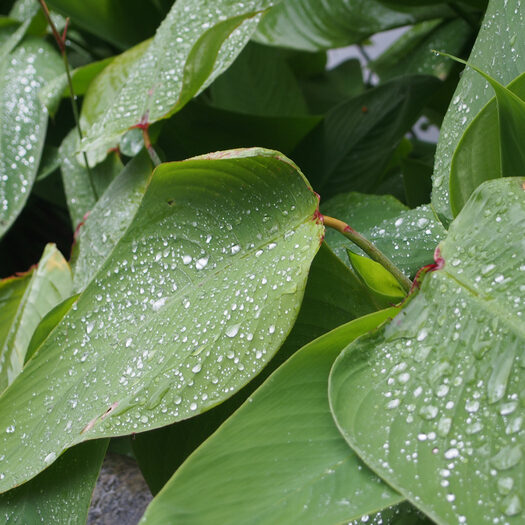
507, 457
50, 457
233, 330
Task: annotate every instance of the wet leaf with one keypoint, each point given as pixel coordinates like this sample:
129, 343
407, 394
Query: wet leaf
407, 237
24, 301
500, 51
310, 25
23, 122
83, 188
60, 494
209, 36
490, 147
279, 458
191, 304
108, 220
445, 378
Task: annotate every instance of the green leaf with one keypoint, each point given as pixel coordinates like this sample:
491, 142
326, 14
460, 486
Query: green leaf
175, 69
194, 300
57, 89
412, 52
198, 129
121, 22
25, 300
358, 137
60, 494
8, 44
500, 52
23, 122
445, 378
378, 280
259, 82
333, 296
479, 157
310, 25
108, 220
279, 458
407, 237
83, 188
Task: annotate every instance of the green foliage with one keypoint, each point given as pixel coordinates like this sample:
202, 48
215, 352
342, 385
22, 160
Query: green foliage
269, 370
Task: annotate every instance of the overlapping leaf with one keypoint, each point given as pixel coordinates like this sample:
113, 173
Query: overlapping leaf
195, 43
24, 301
500, 52
445, 378
279, 458
23, 122
310, 25
193, 301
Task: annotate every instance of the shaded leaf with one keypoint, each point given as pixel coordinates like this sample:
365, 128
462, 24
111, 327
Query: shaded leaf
358, 137
490, 147
445, 378
23, 122
25, 300
500, 52
108, 220
60, 494
83, 188
407, 237
279, 458
145, 341
174, 70
310, 25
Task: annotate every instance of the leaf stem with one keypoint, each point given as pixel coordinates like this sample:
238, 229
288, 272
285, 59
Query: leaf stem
149, 146
370, 249
61, 42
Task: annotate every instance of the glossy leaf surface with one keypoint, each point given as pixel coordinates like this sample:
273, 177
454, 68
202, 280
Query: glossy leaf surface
490, 147
24, 301
23, 122
269, 464
407, 237
310, 25
500, 52
209, 36
445, 377
191, 304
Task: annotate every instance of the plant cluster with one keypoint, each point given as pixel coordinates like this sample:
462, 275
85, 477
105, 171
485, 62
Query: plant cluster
265, 354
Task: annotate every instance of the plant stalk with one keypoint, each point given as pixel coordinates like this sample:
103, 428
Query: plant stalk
149, 146
370, 249
61, 42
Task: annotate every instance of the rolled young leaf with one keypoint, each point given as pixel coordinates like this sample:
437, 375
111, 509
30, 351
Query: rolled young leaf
445, 377
193, 301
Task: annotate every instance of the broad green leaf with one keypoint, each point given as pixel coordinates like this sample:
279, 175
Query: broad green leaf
49, 162
310, 25
174, 69
333, 296
193, 301
8, 44
279, 458
83, 188
60, 494
259, 82
432, 401
500, 52
25, 300
24, 9
53, 92
121, 22
23, 122
482, 154
407, 237
379, 281
412, 52
108, 220
358, 137
329, 88
198, 129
